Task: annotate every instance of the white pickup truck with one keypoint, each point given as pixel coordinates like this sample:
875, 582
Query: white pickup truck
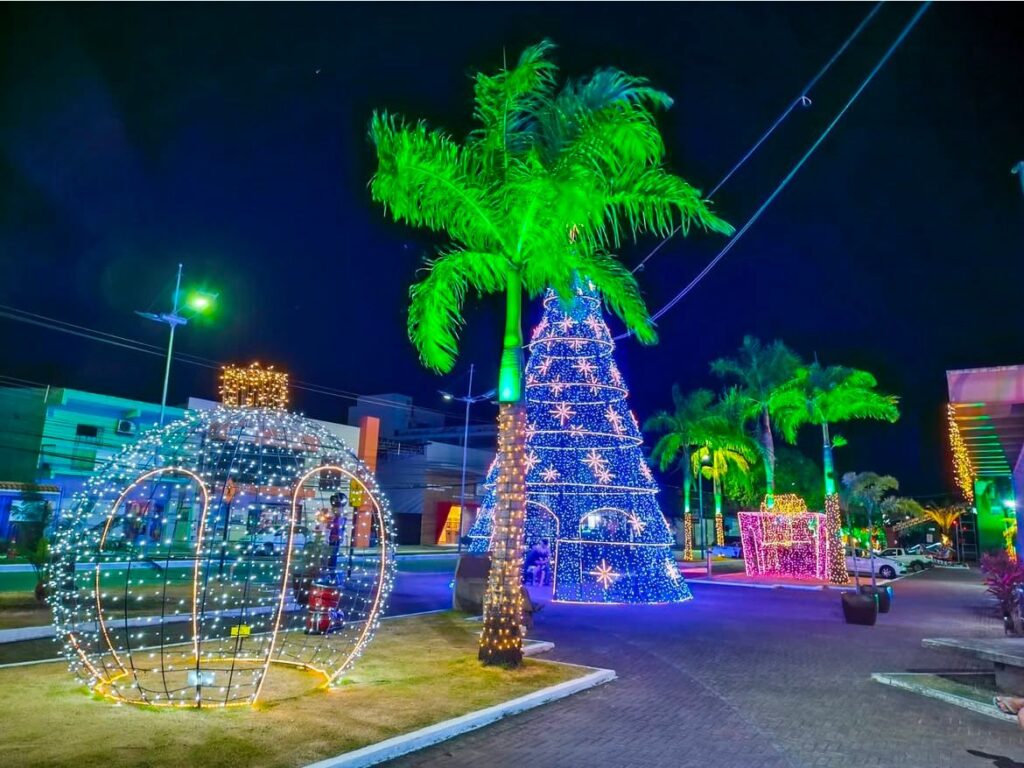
913, 562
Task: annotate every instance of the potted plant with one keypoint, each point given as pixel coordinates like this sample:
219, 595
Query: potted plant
1004, 577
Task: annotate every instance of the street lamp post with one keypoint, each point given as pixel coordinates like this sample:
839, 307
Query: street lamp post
468, 399
200, 302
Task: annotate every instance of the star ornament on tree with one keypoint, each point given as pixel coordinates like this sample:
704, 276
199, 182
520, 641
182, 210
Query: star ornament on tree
563, 412
565, 324
545, 365
604, 477
636, 523
557, 386
604, 574
585, 368
531, 461
550, 475
672, 571
595, 461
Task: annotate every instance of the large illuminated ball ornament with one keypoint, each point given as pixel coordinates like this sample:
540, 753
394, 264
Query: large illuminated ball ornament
236, 555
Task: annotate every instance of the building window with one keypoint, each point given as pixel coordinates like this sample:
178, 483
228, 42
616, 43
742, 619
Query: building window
83, 454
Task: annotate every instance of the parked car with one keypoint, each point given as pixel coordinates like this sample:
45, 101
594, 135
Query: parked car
915, 561
860, 561
729, 549
273, 540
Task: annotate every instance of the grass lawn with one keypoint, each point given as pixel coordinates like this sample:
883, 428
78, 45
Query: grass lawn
418, 671
21, 609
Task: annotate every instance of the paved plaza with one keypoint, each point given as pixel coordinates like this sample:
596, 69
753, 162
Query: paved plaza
753, 677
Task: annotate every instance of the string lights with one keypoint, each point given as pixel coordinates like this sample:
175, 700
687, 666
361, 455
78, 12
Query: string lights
215, 550
784, 540
589, 490
835, 551
253, 387
963, 470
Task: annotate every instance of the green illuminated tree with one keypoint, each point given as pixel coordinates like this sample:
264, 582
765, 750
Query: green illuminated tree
547, 185
822, 396
726, 451
681, 431
761, 370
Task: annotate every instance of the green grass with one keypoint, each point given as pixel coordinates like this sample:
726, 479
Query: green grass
418, 671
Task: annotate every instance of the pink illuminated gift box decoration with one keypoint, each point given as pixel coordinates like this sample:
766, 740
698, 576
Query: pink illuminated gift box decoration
786, 541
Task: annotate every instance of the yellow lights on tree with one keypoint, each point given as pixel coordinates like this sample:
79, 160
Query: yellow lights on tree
834, 550
963, 470
687, 536
719, 530
253, 387
501, 641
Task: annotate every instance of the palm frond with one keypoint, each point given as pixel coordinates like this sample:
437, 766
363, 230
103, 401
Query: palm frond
425, 179
435, 309
621, 293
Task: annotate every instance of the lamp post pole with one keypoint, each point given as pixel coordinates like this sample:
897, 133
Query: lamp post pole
199, 302
465, 451
468, 399
173, 320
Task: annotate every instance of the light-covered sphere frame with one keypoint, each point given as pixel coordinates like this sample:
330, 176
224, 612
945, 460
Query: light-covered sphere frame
236, 554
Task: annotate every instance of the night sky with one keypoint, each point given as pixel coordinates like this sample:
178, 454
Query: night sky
232, 137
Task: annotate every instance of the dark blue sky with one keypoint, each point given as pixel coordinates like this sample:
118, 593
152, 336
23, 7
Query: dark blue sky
233, 137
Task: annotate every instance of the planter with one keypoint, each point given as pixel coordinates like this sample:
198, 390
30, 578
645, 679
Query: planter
859, 608
884, 595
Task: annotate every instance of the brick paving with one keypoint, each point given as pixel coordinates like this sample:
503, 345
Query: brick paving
749, 677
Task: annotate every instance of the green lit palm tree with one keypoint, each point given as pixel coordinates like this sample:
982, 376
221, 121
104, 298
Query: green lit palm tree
541, 191
822, 396
726, 451
761, 369
681, 431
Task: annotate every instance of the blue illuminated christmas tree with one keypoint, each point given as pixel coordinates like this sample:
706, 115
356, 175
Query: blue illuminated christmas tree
589, 489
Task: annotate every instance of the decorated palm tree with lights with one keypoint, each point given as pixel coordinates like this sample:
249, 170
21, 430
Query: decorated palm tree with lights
760, 369
542, 190
726, 451
682, 429
822, 396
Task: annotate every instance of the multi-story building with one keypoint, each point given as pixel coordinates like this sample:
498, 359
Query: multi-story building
986, 430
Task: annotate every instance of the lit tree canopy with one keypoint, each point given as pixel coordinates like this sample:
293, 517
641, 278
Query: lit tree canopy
546, 186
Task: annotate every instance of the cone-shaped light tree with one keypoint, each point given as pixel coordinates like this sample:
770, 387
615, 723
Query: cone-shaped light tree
760, 369
682, 430
548, 183
822, 396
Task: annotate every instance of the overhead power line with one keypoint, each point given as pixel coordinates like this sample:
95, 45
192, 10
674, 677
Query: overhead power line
793, 172
802, 100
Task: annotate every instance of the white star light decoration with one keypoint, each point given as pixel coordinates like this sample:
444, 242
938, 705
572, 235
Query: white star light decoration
565, 324
614, 418
595, 461
604, 574
550, 475
585, 368
636, 523
563, 412
604, 476
672, 571
531, 461
576, 430
594, 325
544, 365
557, 386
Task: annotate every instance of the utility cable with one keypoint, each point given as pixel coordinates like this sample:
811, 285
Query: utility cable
796, 168
802, 100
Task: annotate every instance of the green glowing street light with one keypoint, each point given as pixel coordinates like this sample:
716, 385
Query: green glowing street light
199, 301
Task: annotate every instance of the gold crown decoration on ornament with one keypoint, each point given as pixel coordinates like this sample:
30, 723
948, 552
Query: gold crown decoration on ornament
253, 387
786, 504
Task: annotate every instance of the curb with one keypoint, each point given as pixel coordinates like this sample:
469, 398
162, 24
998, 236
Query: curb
447, 729
989, 710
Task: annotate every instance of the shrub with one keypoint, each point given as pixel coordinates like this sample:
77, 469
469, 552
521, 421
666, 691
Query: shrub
1004, 576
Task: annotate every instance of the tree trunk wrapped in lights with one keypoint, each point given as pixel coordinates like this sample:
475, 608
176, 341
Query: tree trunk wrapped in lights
501, 641
834, 547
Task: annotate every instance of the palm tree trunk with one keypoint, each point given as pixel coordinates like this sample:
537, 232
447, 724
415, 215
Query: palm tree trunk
719, 520
769, 458
835, 553
687, 518
501, 641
